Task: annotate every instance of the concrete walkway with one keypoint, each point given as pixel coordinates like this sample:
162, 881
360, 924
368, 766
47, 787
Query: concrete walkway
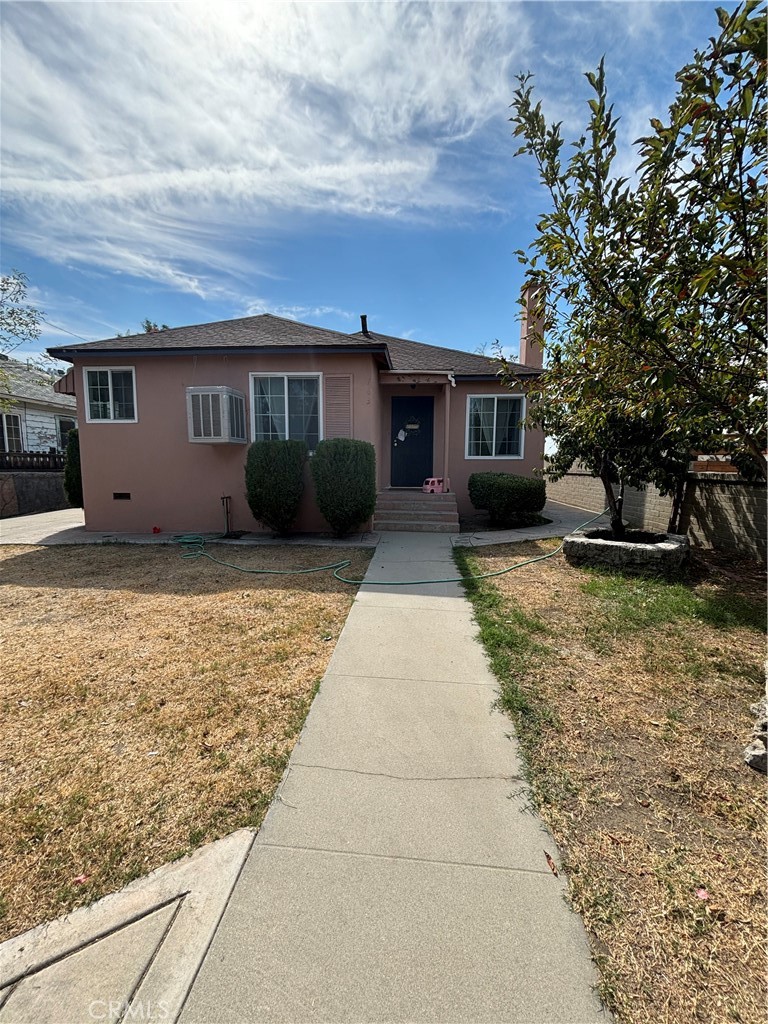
397, 876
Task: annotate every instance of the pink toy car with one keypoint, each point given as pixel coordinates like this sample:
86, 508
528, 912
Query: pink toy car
436, 485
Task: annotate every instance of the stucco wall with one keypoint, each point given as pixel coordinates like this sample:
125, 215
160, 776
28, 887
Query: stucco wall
461, 467
177, 485
720, 510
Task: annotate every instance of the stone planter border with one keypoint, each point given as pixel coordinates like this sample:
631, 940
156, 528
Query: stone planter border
628, 556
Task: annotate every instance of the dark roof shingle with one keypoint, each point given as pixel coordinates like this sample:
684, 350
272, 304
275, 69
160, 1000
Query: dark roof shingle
263, 331
273, 332
416, 355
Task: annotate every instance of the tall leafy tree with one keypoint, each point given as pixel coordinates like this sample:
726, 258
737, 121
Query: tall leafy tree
655, 320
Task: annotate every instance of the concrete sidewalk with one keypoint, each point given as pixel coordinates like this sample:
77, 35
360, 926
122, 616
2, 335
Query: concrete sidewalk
67, 526
397, 876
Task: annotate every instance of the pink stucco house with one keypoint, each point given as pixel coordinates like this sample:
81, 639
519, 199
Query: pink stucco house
166, 418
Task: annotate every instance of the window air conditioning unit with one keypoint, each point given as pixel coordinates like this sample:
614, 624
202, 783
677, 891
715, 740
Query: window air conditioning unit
216, 415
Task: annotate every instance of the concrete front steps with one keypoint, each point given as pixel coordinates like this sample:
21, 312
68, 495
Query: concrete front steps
415, 511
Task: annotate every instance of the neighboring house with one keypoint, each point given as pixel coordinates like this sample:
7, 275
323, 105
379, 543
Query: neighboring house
166, 418
33, 417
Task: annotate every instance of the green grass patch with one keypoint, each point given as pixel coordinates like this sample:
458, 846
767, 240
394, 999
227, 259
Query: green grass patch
630, 697
513, 640
631, 604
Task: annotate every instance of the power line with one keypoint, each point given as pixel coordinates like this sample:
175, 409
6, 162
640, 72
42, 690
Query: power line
64, 329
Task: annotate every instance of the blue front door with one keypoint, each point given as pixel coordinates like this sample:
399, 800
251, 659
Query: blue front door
412, 433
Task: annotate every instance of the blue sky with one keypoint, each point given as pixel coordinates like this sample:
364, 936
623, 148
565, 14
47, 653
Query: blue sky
196, 162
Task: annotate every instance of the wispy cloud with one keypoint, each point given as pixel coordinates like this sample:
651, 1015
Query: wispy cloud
142, 138
255, 307
172, 143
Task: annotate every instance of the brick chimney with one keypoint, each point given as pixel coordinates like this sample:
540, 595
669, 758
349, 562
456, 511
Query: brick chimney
532, 326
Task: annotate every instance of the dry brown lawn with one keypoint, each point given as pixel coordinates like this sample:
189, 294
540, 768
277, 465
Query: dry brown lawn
632, 698
149, 704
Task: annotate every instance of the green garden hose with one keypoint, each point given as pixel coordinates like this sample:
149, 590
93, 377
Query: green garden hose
194, 547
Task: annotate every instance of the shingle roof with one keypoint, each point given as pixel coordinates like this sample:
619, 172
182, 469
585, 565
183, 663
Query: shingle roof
22, 383
264, 331
273, 332
416, 355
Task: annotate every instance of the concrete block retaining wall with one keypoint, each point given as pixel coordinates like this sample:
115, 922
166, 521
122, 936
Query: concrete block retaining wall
22, 494
721, 510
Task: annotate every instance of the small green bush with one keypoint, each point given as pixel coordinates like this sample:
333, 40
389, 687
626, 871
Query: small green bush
274, 481
511, 500
73, 477
344, 472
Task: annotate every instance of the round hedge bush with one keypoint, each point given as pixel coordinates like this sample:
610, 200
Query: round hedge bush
274, 482
344, 472
510, 500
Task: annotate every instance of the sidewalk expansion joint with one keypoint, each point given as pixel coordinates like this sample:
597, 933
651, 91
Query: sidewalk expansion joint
459, 607
214, 930
127, 1003
333, 674
410, 778
543, 872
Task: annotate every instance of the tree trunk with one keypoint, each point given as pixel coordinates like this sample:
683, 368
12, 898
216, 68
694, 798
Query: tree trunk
615, 504
673, 526
758, 457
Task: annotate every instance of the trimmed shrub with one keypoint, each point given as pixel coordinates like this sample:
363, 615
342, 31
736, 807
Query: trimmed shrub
73, 477
274, 481
511, 500
344, 472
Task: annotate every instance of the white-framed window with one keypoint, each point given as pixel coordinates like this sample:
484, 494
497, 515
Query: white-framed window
493, 426
110, 394
287, 406
11, 439
216, 415
63, 426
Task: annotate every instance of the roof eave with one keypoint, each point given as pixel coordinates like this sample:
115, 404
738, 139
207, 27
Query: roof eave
495, 376
69, 354
419, 373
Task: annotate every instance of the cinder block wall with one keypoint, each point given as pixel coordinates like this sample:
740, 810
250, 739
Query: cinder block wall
578, 488
726, 513
720, 510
